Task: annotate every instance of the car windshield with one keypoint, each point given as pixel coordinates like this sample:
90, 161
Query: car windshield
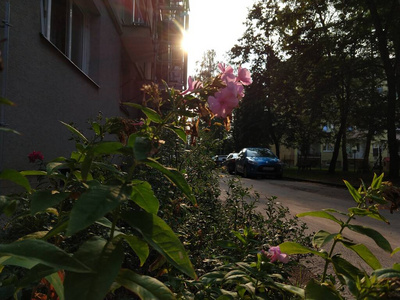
262, 152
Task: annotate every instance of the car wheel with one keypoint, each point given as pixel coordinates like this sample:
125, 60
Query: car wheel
230, 169
245, 172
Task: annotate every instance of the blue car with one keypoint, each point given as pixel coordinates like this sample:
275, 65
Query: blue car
252, 162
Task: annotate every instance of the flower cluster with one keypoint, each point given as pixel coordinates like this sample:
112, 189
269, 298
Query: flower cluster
35, 155
227, 98
274, 254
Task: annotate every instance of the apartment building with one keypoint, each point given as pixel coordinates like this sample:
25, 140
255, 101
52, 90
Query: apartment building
69, 60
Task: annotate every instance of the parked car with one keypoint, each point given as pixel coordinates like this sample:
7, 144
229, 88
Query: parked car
230, 162
219, 159
258, 162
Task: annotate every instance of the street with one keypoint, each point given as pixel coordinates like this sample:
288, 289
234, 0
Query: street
305, 196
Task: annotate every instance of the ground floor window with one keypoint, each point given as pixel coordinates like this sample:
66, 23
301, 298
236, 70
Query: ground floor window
66, 26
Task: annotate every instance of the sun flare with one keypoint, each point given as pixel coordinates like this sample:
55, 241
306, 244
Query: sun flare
186, 41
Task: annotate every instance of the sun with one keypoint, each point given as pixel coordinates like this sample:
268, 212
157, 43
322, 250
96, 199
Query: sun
186, 41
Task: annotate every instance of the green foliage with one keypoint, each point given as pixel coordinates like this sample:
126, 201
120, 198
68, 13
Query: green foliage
361, 285
81, 211
227, 240
316, 64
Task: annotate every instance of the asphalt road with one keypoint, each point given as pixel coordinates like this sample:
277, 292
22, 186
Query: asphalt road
306, 196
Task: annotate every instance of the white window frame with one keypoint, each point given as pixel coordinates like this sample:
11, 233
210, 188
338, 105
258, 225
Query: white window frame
327, 147
46, 31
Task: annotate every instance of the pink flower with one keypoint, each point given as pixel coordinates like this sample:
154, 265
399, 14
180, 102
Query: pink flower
192, 85
244, 76
227, 73
140, 123
224, 101
240, 89
276, 254
34, 155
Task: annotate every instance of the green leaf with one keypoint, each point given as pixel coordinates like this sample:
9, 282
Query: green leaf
5, 101
51, 167
146, 287
291, 289
143, 195
55, 280
320, 214
60, 227
345, 268
316, 291
75, 131
363, 252
41, 200
378, 238
353, 192
35, 274
322, 237
395, 250
140, 247
105, 259
93, 204
33, 173
174, 176
335, 211
18, 261
227, 244
368, 213
105, 222
106, 147
16, 177
86, 165
161, 237
179, 132
9, 130
214, 276
7, 205
141, 147
150, 113
45, 253
96, 128
240, 237
107, 167
377, 181
295, 248
386, 273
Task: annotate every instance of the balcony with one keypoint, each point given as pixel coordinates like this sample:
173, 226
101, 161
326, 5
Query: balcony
138, 41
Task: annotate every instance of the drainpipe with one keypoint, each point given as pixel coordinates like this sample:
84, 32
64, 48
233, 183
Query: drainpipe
4, 54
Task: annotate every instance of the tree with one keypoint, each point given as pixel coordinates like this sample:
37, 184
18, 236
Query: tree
325, 49
385, 17
207, 67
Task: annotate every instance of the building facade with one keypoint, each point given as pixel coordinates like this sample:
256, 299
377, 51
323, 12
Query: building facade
69, 60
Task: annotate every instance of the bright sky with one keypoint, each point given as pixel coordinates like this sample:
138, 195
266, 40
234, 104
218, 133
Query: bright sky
214, 24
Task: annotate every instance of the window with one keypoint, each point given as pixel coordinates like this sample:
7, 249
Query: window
66, 26
327, 148
132, 12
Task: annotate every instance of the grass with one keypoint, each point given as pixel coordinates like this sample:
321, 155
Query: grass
323, 176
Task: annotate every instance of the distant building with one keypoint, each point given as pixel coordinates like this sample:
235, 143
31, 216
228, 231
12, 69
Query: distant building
68, 60
320, 155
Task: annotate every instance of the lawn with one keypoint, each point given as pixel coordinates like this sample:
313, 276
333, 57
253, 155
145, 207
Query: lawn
322, 175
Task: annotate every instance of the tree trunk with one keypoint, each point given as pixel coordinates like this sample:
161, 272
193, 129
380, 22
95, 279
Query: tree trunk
365, 163
391, 84
335, 154
345, 166
277, 149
